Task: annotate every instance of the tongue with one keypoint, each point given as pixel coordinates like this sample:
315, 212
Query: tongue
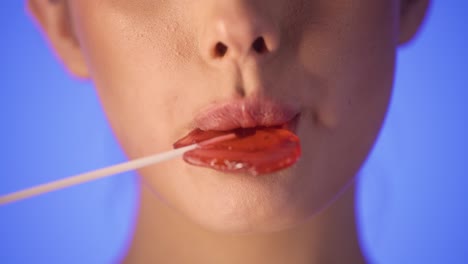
253, 150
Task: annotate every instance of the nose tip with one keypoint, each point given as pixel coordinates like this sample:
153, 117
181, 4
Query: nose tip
237, 35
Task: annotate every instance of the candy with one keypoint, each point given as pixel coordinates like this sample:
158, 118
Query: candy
254, 151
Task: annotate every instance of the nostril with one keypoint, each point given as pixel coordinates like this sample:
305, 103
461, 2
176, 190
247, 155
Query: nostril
220, 50
259, 45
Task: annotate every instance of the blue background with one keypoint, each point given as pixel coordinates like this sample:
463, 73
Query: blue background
412, 206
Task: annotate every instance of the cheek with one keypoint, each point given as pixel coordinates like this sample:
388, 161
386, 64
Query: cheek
136, 63
353, 57
353, 61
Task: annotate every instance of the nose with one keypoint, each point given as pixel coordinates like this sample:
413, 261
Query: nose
235, 30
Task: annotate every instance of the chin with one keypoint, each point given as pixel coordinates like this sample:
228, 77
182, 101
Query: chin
245, 204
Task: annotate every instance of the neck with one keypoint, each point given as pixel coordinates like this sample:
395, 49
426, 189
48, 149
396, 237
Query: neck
164, 236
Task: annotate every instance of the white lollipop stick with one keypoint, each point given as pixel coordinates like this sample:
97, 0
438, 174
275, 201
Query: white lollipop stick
105, 172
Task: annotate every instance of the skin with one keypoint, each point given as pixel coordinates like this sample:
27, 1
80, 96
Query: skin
155, 65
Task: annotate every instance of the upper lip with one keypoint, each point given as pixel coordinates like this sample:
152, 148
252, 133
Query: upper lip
245, 113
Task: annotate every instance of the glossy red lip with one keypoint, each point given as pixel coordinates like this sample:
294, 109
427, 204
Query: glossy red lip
264, 141
247, 113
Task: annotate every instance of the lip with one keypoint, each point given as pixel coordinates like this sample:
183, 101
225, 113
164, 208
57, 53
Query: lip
247, 113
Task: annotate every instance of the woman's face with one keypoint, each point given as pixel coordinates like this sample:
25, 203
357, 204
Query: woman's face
157, 63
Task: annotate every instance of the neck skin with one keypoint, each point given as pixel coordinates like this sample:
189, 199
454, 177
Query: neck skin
164, 236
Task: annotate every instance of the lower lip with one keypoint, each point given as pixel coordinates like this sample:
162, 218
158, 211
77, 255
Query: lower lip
254, 151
